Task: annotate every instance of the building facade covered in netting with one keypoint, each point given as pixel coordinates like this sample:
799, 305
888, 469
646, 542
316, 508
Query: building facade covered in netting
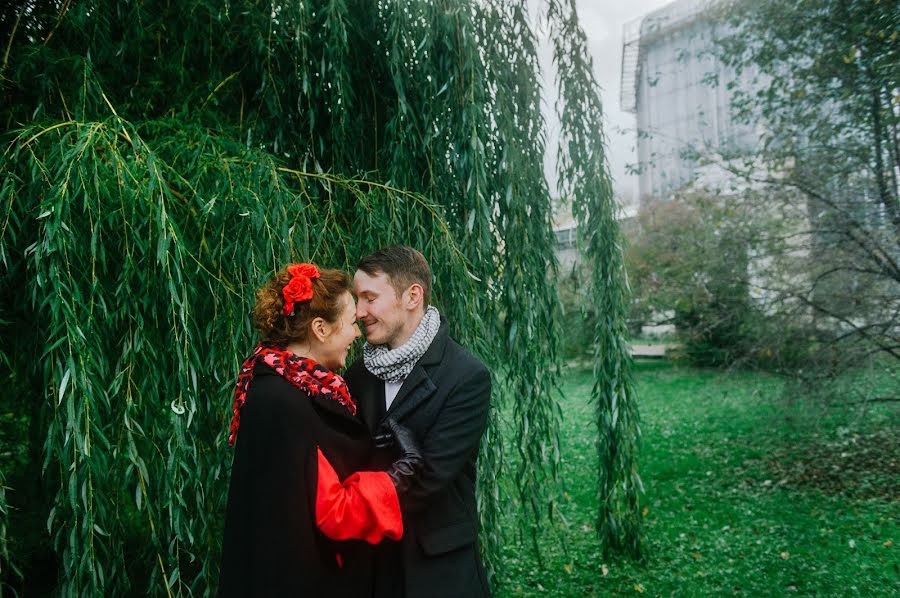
680, 95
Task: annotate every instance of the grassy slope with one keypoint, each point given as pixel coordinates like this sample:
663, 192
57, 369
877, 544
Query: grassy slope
746, 495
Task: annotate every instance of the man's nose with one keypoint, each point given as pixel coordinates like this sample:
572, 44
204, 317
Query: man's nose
360, 311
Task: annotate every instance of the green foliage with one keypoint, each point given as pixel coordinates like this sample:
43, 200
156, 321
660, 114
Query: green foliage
584, 176
690, 257
579, 315
521, 198
716, 267
4, 516
162, 159
736, 477
145, 260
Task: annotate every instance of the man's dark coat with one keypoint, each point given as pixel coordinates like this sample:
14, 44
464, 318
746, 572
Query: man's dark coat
445, 402
271, 545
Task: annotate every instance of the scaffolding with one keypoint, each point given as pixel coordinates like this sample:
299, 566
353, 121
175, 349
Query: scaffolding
631, 52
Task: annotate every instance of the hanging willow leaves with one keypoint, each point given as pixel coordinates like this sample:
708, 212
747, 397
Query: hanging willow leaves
149, 299
517, 151
584, 177
161, 159
4, 516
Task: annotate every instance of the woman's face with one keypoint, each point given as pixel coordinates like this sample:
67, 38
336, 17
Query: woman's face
334, 349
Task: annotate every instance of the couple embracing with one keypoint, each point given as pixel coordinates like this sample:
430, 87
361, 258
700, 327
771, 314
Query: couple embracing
361, 485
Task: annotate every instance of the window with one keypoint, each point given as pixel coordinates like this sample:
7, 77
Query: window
565, 238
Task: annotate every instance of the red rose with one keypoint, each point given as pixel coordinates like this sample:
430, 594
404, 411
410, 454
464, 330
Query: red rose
307, 270
298, 289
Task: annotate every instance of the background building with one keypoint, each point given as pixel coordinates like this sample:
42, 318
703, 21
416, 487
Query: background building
680, 96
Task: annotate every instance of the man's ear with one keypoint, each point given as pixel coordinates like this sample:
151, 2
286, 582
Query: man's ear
319, 329
413, 296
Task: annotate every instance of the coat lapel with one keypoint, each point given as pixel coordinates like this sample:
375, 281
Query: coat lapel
416, 389
418, 386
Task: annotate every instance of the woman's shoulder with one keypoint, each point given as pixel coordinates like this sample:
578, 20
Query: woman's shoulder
269, 391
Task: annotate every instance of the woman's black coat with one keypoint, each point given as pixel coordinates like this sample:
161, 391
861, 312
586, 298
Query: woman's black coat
271, 545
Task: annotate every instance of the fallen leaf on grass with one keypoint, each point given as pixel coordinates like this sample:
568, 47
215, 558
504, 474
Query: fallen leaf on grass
851, 543
568, 568
604, 570
697, 556
785, 555
645, 511
888, 544
639, 588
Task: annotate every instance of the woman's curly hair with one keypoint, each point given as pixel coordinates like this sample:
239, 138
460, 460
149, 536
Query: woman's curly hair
279, 329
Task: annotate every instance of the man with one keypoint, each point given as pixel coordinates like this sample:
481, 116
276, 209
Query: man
414, 373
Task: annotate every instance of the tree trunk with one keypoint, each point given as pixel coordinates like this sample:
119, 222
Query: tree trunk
887, 197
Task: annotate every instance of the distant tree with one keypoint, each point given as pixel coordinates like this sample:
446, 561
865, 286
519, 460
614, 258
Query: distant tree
689, 257
826, 100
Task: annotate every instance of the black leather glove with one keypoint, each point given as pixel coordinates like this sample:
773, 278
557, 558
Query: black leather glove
383, 439
409, 465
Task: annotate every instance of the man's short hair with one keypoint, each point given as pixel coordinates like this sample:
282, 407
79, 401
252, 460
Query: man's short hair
403, 265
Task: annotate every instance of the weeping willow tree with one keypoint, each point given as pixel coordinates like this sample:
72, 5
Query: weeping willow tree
584, 176
161, 159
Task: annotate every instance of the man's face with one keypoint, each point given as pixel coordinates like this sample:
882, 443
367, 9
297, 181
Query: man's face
381, 311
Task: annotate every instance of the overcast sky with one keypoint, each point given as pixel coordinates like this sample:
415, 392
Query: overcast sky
602, 21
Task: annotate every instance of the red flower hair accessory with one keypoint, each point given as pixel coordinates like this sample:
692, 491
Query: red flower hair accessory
299, 288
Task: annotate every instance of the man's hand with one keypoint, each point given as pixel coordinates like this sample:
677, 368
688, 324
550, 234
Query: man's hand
407, 468
383, 439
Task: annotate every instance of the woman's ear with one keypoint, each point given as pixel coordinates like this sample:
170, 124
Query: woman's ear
319, 329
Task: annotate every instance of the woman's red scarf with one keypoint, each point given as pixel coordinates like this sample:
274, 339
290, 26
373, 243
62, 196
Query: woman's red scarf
309, 376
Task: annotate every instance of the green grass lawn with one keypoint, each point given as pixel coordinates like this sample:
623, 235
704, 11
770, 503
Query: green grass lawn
749, 492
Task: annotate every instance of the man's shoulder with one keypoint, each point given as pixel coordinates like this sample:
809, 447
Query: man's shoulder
458, 357
457, 351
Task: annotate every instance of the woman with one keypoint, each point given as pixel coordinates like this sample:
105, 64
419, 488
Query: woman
301, 514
